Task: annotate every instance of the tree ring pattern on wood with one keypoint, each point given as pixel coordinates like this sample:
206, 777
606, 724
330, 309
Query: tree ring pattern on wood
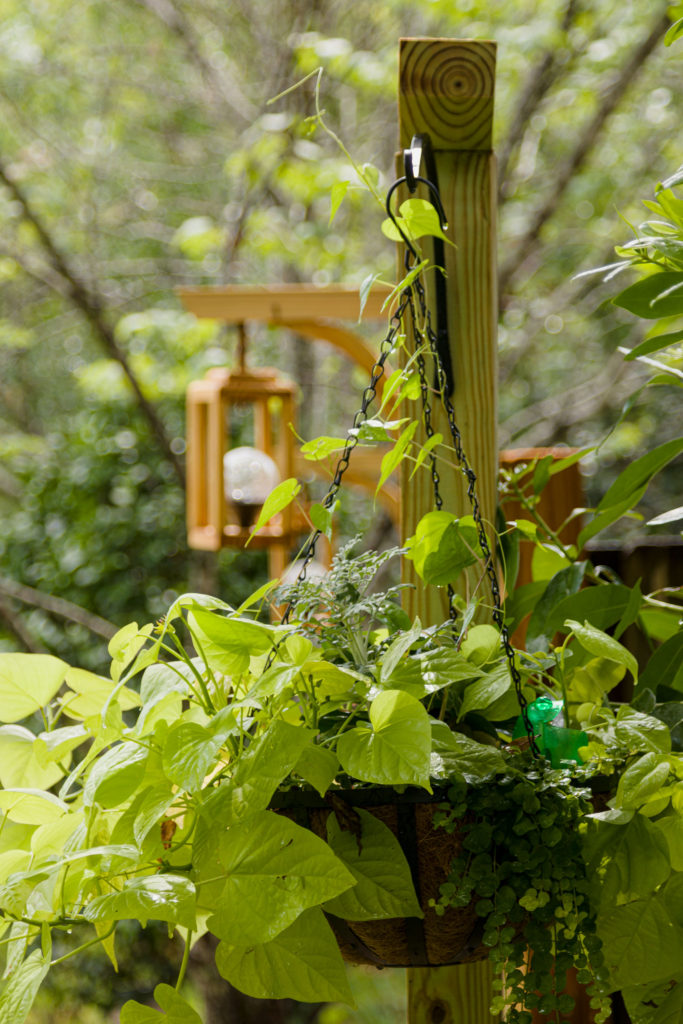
447, 88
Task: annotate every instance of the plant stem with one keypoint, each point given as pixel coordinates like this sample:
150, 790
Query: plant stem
86, 945
526, 504
185, 960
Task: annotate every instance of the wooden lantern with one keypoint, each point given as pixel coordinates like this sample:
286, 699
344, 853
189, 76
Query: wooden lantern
213, 405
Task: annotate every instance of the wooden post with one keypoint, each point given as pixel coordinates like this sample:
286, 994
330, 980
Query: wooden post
446, 90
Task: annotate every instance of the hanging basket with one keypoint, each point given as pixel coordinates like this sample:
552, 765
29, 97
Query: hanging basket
433, 941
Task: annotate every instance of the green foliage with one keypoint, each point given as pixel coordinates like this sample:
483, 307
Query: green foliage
167, 813
522, 869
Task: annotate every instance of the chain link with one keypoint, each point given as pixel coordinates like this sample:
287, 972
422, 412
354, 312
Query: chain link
368, 397
428, 336
425, 340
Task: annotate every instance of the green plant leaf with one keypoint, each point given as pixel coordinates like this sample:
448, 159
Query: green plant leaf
484, 692
429, 445
126, 639
417, 217
600, 522
659, 624
601, 605
541, 474
318, 766
674, 33
174, 1009
163, 897
260, 770
642, 1002
57, 744
278, 499
591, 681
641, 781
428, 533
395, 750
52, 835
630, 483
31, 806
365, 289
442, 546
229, 643
674, 515
337, 195
481, 645
384, 885
528, 529
641, 732
396, 651
559, 465
28, 682
154, 802
19, 992
333, 680
321, 517
393, 457
454, 754
458, 548
640, 941
561, 586
671, 827
630, 612
275, 870
18, 939
190, 750
91, 694
653, 297
163, 678
522, 602
547, 560
655, 344
665, 667
116, 775
322, 448
19, 764
672, 895
429, 671
601, 644
303, 962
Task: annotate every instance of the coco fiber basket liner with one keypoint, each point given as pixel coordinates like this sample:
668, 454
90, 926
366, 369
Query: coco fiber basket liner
454, 937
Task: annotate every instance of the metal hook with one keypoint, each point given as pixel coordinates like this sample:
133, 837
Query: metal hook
419, 151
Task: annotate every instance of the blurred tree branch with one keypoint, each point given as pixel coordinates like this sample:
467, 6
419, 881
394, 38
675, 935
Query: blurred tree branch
553, 415
16, 626
219, 82
542, 78
578, 156
89, 305
55, 606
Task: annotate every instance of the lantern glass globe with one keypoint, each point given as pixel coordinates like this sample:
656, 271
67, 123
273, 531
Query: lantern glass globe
249, 475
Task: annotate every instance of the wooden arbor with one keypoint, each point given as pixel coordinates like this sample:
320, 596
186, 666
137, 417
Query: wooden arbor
212, 520
314, 312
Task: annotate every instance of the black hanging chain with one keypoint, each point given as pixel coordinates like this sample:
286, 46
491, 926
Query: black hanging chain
426, 337
352, 438
429, 429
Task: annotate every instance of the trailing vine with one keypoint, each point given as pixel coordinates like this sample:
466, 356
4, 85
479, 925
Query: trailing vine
521, 864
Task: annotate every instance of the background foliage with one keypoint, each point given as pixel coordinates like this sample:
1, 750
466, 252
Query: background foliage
138, 152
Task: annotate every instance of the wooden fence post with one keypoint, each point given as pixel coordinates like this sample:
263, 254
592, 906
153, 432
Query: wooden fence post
446, 90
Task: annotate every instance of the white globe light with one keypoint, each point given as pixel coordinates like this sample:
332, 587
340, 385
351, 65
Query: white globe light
249, 476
